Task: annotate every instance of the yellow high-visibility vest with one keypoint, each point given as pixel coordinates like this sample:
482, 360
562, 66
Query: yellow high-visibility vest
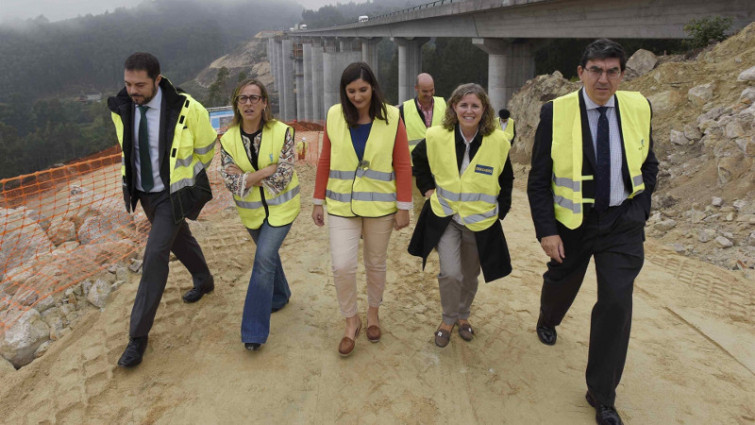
474, 194
566, 151
366, 188
415, 125
282, 208
187, 157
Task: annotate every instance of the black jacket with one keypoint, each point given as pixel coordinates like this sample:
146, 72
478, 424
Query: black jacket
541, 175
491, 243
186, 202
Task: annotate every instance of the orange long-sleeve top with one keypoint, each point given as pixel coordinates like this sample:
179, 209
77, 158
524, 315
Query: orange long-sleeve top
402, 166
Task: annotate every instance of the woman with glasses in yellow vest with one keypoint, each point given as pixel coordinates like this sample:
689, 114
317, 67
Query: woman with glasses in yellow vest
364, 179
463, 167
258, 168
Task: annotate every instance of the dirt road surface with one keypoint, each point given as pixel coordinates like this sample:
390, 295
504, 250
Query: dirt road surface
691, 356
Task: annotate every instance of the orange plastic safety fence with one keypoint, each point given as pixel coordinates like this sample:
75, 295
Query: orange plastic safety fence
63, 225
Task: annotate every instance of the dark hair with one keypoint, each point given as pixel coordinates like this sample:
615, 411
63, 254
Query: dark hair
604, 48
353, 72
142, 61
504, 114
267, 114
487, 121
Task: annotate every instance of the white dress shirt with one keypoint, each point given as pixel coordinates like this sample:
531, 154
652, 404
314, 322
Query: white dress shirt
618, 192
153, 127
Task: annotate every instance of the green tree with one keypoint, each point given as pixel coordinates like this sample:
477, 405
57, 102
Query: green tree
706, 30
217, 92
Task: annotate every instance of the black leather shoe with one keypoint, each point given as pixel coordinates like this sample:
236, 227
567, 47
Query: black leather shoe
547, 334
252, 346
195, 294
604, 415
132, 356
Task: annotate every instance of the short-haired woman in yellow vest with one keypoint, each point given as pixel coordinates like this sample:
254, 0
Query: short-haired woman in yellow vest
463, 168
364, 179
258, 168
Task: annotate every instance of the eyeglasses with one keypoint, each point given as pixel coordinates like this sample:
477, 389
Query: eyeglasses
253, 99
611, 74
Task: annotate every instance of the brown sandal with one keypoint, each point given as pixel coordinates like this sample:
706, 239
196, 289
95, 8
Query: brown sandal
465, 331
442, 337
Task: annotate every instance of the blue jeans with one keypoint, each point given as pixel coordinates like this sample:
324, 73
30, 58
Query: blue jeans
268, 287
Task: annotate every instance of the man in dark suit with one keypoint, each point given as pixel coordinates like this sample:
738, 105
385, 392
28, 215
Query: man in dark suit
168, 143
593, 173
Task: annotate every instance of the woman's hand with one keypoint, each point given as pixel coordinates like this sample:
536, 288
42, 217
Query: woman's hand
318, 215
270, 170
255, 178
233, 169
265, 173
429, 193
401, 219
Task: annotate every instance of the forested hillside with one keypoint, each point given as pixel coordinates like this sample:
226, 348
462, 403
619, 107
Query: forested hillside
45, 66
41, 59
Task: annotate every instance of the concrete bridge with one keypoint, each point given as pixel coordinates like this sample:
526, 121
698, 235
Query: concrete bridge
307, 64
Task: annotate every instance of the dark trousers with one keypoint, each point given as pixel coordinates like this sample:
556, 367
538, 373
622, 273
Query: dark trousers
615, 240
164, 236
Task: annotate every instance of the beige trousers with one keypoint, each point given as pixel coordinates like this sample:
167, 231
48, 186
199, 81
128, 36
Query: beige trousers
345, 233
459, 269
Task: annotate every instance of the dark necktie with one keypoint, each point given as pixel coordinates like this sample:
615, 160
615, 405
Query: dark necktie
144, 161
603, 164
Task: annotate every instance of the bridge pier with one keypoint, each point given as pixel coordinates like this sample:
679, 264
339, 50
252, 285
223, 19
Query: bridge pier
370, 54
334, 62
299, 76
287, 97
306, 46
317, 76
271, 61
275, 56
409, 64
511, 62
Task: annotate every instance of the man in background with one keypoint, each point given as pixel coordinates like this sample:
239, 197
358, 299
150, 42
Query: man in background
420, 113
507, 124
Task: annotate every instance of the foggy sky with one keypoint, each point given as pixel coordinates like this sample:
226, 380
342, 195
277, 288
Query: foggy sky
56, 10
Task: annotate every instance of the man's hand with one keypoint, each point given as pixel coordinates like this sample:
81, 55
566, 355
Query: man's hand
429, 193
553, 247
401, 219
318, 215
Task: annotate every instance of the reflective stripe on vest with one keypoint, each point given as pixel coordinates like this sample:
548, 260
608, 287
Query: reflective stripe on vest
366, 189
282, 208
415, 125
567, 155
474, 194
118, 122
186, 159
